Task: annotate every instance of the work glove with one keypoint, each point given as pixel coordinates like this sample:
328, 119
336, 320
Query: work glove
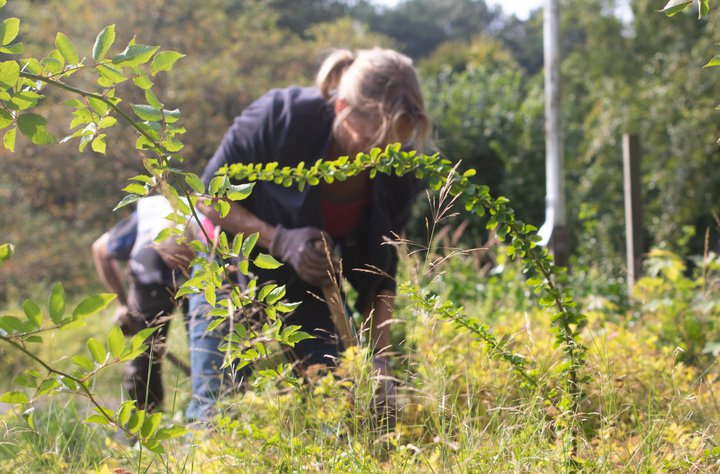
130, 323
303, 249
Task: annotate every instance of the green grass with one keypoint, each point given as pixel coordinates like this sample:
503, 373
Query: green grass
460, 410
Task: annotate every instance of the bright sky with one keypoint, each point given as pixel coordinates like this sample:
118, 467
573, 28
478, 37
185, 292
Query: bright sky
521, 8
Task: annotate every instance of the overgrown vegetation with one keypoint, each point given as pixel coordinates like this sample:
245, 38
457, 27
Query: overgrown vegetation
499, 370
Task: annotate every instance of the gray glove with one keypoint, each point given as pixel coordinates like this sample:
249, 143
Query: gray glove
300, 249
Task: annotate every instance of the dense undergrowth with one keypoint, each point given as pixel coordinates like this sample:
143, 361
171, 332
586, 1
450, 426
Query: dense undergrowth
652, 397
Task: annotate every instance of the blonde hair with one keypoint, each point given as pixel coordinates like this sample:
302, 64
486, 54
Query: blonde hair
381, 85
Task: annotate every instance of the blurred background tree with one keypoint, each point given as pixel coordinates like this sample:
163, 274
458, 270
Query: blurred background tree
482, 75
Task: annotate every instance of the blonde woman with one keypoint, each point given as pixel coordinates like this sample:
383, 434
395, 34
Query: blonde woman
362, 100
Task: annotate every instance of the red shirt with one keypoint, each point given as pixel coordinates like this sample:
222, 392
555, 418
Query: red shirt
341, 218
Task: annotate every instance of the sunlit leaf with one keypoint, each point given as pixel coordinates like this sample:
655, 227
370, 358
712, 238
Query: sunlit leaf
195, 183
9, 30
56, 305
14, 398
33, 126
249, 244
116, 341
9, 74
164, 61
97, 350
103, 42
9, 139
147, 112
93, 305
113, 75
240, 191
134, 55
83, 362
33, 313
714, 62
98, 144
673, 7
67, 49
266, 261
6, 252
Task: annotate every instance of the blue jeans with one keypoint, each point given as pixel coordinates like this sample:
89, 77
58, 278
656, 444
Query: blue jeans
209, 381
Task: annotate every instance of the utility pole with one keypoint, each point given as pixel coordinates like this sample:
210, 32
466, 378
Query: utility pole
554, 232
633, 208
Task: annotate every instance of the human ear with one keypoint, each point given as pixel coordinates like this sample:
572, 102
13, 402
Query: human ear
340, 105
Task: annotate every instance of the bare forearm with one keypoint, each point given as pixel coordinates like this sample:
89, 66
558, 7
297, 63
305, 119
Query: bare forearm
107, 269
381, 314
238, 220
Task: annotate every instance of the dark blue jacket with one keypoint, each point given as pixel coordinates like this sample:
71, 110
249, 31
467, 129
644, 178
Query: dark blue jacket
291, 125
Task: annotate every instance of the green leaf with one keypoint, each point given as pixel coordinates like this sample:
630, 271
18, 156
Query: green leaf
9, 139
240, 191
2, 3
6, 252
9, 30
195, 183
164, 61
16, 48
265, 290
83, 362
26, 99
97, 350
249, 244
169, 432
152, 99
127, 200
139, 338
135, 55
56, 305
703, 8
266, 261
9, 74
150, 425
67, 49
33, 126
673, 7
143, 81
5, 119
99, 106
103, 42
147, 112
33, 313
116, 341
114, 75
136, 188
99, 419
136, 421
11, 324
714, 62
123, 414
93, 305
98, 144
14, 398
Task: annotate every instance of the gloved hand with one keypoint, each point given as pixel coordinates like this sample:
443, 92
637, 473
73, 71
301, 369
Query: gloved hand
130, 324
298, 248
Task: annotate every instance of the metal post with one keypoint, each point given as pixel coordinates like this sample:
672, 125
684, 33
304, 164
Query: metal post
554, 232
633, 208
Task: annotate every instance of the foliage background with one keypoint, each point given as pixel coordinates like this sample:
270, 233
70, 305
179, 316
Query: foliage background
482, 77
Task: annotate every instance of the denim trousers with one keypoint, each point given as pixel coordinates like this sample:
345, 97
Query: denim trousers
210, 382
